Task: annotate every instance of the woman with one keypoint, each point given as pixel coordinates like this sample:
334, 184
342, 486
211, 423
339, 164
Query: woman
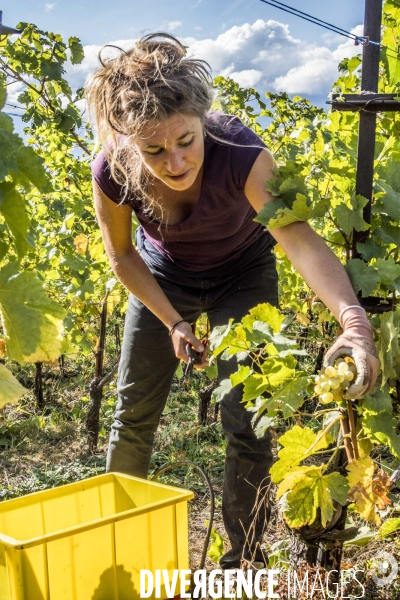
195, 180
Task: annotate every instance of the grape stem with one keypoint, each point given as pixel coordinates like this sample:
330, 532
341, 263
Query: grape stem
325, 431
347, 439
352, 424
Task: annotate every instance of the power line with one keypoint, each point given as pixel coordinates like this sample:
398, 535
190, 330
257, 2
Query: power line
310, 18
364, 41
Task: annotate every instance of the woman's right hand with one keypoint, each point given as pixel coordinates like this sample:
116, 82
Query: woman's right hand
183, 335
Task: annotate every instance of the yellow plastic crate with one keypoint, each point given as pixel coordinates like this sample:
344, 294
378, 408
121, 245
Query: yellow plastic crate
89, 540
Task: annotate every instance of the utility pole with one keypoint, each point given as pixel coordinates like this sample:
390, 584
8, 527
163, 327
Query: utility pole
368, 103
367, 126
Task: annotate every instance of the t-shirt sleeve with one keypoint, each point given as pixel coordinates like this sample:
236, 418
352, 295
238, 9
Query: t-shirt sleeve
102, 175
245, 154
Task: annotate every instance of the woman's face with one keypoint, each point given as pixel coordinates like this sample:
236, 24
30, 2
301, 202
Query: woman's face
173, 150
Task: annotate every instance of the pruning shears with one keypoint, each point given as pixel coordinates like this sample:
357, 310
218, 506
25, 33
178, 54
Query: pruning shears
194, 356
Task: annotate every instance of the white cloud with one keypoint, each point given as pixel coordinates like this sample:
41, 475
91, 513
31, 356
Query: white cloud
173, 25
266, 56
262, 55
48, 7
198, 28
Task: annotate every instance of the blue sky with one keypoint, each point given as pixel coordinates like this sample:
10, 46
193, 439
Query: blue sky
250, 41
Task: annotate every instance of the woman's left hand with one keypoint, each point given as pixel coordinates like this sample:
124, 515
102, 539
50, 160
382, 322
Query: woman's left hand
357, 342
362, 350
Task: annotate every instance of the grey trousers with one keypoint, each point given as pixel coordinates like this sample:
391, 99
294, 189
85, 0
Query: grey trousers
148, 364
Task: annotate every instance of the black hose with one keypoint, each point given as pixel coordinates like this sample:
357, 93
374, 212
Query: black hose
187, 463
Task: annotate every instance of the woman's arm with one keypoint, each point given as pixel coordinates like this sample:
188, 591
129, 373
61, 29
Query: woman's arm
305, 249
116, 228
325, 275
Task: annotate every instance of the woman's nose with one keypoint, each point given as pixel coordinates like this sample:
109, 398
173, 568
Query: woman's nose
175, 162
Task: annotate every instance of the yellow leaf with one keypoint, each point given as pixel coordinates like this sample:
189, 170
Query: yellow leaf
360, 477
10, 389
2, 348
381, 487
81, 243
303, 319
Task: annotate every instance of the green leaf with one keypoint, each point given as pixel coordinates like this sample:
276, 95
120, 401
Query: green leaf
378, 401
31, 165
6, 122
292, 395
276, 213
275, 372
377, 420
9, 142
381, 429
351, 217
390, 234
364, 536
388, 527
12, 207
217, 546
221, 391
310, 489
389, 271
241, 374
32, 321
220, 338
266, 313
370, 249
389, 203
77, 53
10, 389
364, 278
3, 249
3, 95
261, 424
298, 444
388, 347
52, 70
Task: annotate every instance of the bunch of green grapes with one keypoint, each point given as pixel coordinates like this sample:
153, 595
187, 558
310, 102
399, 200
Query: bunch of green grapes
333, 381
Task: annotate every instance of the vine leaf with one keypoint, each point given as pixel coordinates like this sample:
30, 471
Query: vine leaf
310, 490
275, 372
381, 488
10, 389
388, 527
266, 313
292, 201
388, 346
360, 477
33, 323
378, 423
221, 391
276, 213
351, 217
298, 444
241, 374
31, 165
13, 210
364, 278
77, 53
388, 270
292, 395
217, 546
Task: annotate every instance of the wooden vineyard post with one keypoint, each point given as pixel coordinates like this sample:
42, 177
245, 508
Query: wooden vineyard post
39, 385
97, 384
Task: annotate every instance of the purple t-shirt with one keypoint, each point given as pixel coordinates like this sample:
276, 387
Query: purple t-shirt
222, 224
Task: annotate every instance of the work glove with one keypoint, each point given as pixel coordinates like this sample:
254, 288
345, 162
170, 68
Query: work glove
357, 342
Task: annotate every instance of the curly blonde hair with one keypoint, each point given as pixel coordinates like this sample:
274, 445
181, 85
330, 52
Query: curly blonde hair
150, 82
